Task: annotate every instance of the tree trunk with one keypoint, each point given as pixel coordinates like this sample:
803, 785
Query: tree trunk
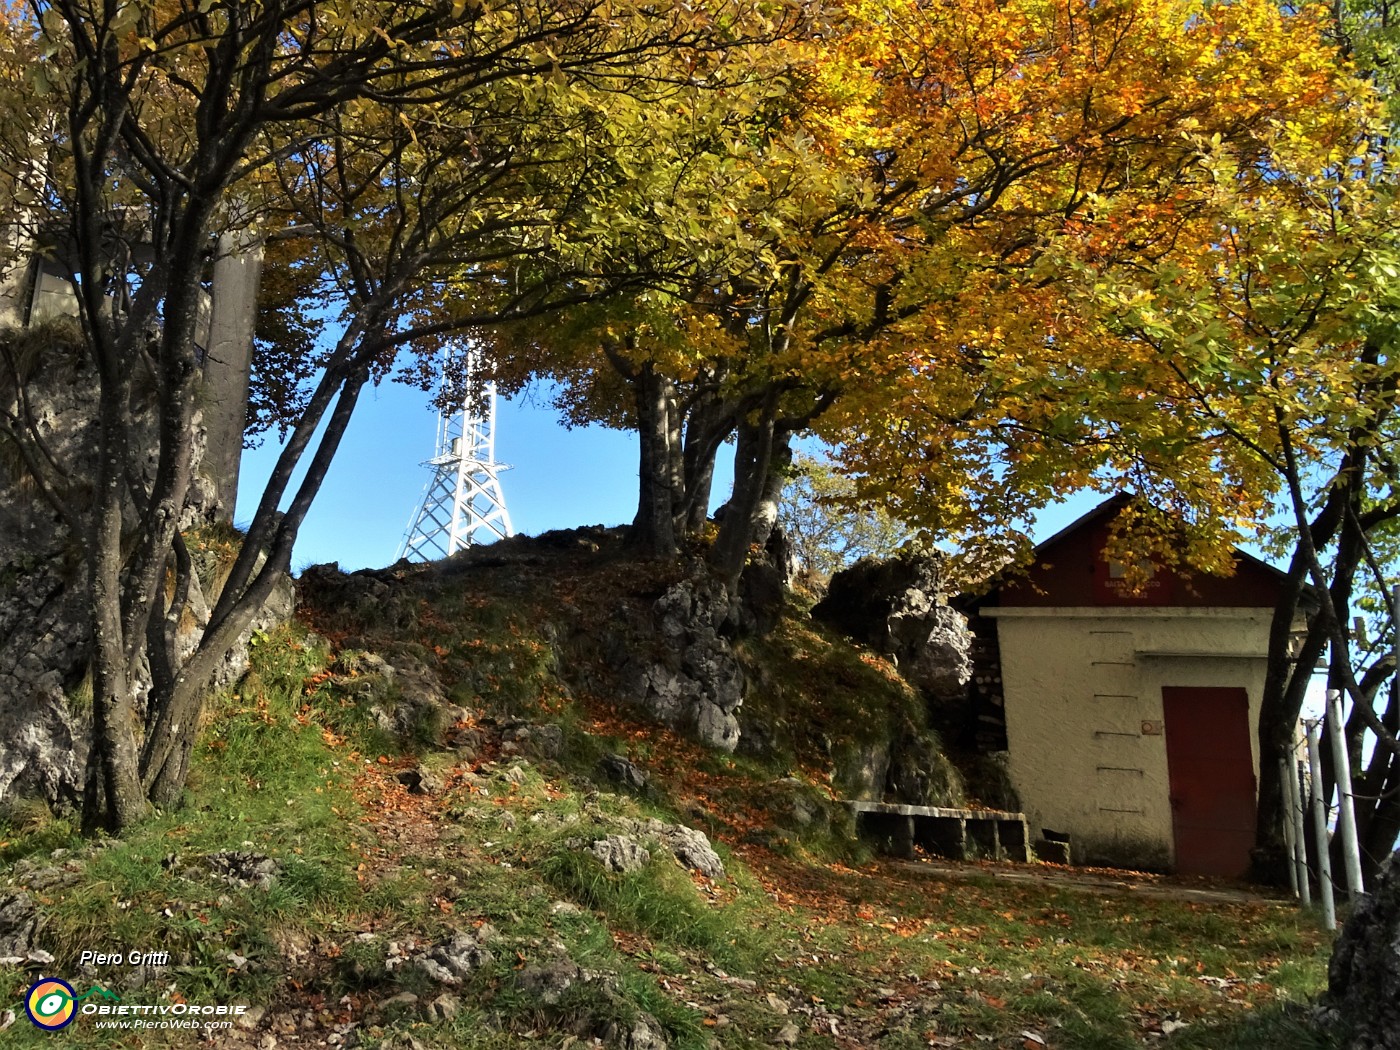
653, 530
169, 783
765, 516
706, 427
1363, 979
1344, 567
754, 461
113, 800
1378, 802
1286, 679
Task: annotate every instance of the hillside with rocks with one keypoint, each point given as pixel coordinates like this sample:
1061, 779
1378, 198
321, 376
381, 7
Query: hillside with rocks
545, 794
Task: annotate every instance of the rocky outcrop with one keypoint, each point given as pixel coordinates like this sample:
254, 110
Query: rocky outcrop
1362, 1004
897, 608
620, 853
43, 743
921, 774
561, 980
19, 927
366, 596
690, 847
417, 708
689, 679
906, 766
454, 960
626, 849
399, 686
624, 773
44, 618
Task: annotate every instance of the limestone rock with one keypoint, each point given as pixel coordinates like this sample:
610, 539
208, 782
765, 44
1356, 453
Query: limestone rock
243, 868
693, 682
444, 1008
366, 596
45, 745
906, 766
422, 713
641, 1033
1362, 1003
452, 961
762, 592
921, 775
620, 771
33, 874
861, 769
19, 926
420, 781
594, 1003
549, 981
897, 607
541, 741
690, 847
936, 655
620, 853
797, 805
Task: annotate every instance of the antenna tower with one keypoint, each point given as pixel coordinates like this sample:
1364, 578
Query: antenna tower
462, 503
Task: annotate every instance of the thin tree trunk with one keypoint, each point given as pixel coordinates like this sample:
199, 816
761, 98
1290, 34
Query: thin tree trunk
753, 457
1286, 679
675, 455
708, 423
653, 530
114, 800
170, 737
1378, 800
765, 516
1344, 567
697, 506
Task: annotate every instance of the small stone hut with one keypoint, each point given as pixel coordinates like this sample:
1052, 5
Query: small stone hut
1130, 719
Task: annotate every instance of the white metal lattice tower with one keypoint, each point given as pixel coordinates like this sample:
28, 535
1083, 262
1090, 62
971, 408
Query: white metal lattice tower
462, 503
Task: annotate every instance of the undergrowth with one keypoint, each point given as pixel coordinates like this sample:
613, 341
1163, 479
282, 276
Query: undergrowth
806, 940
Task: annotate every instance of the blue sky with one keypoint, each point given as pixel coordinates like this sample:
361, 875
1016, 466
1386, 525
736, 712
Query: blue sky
558, 479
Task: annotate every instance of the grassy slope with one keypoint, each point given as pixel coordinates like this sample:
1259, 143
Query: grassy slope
802, 939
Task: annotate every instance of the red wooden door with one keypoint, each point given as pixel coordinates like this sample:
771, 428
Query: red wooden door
1211, 772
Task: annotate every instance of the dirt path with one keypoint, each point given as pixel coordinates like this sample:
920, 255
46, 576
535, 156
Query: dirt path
1096, 880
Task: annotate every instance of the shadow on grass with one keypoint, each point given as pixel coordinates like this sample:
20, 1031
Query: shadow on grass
1287, 1025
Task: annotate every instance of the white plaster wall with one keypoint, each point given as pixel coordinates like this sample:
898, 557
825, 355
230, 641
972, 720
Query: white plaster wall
1079, 684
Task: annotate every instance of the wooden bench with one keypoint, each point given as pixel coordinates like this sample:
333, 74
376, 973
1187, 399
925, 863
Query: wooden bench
959, 834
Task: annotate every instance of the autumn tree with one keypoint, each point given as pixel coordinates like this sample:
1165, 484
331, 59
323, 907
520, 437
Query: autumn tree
897, 199
133, 128
828, 527
1268, 359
